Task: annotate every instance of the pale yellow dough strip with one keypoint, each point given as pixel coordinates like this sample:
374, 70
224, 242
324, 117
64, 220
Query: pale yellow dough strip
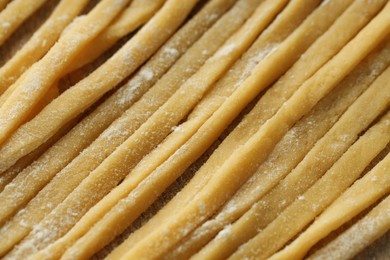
312, 128
163, 120
151, 161
311, 203
372, 226
316, 162
35, 83
15, 14
230, 176
86, 131
138, 13
363, 193
79, 97
170, 170
128, 21
42, 40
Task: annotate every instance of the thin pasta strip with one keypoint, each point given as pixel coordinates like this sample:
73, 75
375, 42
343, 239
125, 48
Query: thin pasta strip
230, 176
333, 183
314, 126
169, 171
375, 224
138, 13
164, 119
35, 83
15, 14
363, 193
158, 155
40, 42
84, 133
86, 92
289, 151
316, 162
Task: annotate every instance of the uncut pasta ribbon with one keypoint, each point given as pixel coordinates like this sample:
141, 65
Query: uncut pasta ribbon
227, 178
40, 42
210, 72
363, 193
304, 209
262, 180
372, 226
15, 14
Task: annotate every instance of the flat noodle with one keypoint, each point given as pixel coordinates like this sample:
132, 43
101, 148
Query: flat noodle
363, 193
86, 131
372, 226
15, 14
262, 181
3, 3
226, 179
337, 179
42, 40
104, 180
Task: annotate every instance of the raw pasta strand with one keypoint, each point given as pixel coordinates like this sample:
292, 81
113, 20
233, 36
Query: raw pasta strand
40, 42
358, 197
15, 14
104, 180
86, 92
243, 202
372, 226
35, 83
142, 169
86, 131
232, 174
304, 209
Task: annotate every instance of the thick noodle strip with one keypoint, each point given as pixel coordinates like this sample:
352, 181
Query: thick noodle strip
372, 226
170, 170
125, 157
42, 40
308, 131
15, 14
225, 86
137, 14
34, 84
87, 130
363, 193
234, 172
79, 97
316, 162
328, 188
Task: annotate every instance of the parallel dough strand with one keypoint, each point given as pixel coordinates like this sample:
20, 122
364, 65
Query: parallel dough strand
262, 180
282, 52
38, 79
15, 14
40, 173
372, 226
40, 42
86, 131
138, 13
151, 161
86, 92
170, 170
227, 178
101, 180
316, 162
363, 193
304, 209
